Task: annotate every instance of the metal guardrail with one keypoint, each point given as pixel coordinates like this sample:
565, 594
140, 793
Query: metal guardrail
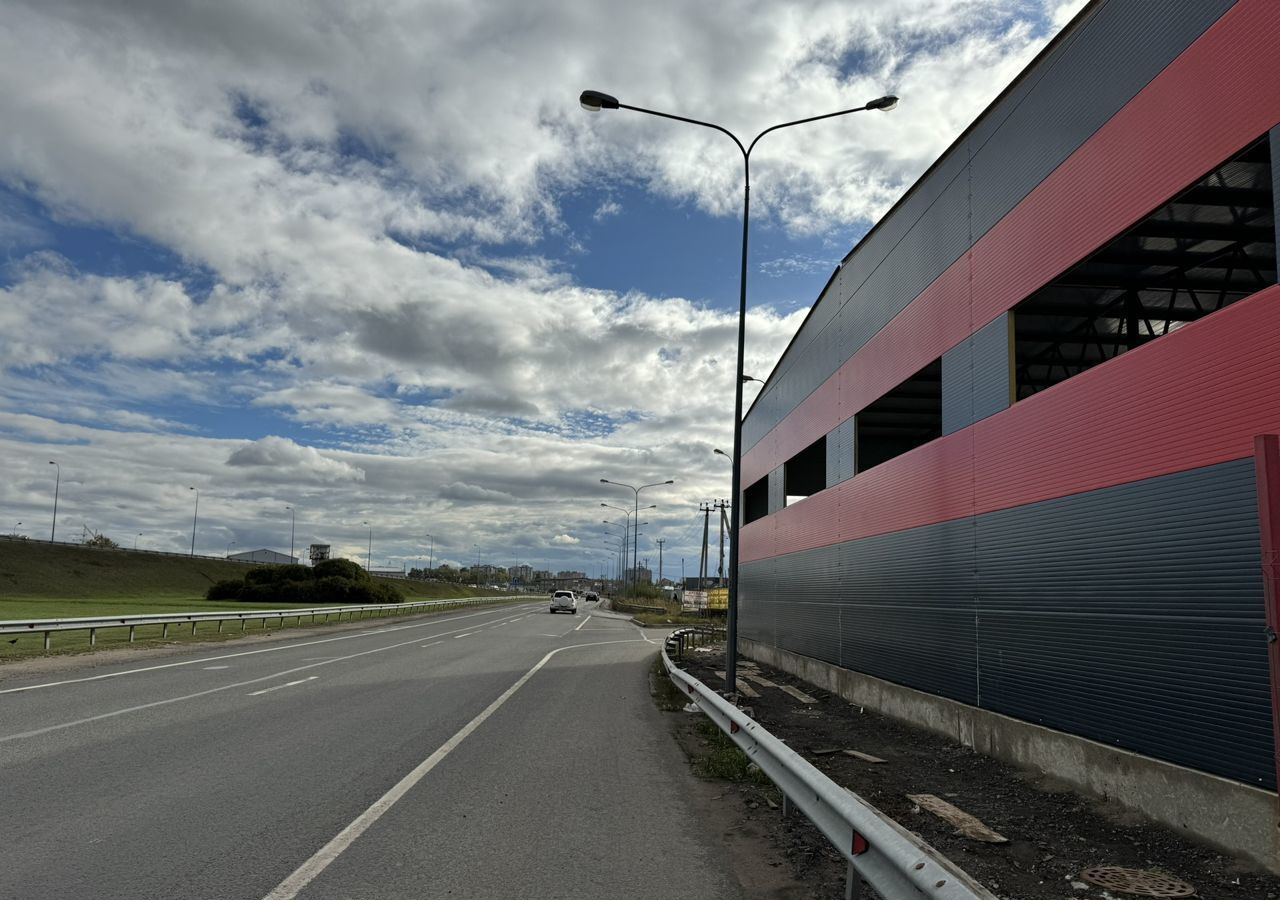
894, 862
93, 623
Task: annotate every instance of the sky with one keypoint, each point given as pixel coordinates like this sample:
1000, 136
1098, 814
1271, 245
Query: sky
372, 261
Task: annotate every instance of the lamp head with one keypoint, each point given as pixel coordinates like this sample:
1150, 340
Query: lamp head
594, 101
884, 104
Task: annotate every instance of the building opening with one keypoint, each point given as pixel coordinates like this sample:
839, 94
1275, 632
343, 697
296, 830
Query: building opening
755, 501
1210, 246
806, 472
901, 420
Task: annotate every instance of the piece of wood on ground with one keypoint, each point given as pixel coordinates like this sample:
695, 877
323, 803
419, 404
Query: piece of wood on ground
758, 679
798, 694
865, 757
964, 824
744, 689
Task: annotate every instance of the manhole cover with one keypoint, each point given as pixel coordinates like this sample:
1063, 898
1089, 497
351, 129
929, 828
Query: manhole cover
1137, 881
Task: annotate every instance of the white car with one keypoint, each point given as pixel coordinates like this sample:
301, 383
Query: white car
564, 601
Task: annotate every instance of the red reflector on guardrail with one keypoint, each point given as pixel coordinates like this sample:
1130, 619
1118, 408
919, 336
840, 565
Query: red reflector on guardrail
860, 845
733, 728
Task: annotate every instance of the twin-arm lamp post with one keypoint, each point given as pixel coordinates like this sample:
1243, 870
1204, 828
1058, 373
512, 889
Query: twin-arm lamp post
594, 101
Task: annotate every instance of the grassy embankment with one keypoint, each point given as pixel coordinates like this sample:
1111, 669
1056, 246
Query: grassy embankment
65, 580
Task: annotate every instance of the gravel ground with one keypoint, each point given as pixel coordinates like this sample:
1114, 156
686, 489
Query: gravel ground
1053, 834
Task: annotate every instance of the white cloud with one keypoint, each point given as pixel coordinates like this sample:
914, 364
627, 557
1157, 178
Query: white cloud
565, 540
283, 460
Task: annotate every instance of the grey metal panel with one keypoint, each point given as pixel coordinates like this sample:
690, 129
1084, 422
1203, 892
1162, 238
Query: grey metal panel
777, 489
1099, 68
1131, 615
1275, 177
840, 453
992, 368
957, 387
1044, 118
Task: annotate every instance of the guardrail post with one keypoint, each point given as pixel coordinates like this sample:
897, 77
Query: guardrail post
852, 884
46, 640
243, 624
164, 630
193, 627
131, 629
219, 626
93, 636
786, 806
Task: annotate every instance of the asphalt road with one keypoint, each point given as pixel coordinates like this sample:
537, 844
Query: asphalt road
501, 753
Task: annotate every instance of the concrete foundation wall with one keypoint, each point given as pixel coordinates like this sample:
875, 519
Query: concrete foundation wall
1235, 817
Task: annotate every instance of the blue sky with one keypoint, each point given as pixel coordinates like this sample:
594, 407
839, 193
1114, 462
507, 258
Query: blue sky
288, 254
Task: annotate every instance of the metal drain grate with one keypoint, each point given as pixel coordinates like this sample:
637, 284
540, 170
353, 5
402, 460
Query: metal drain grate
1137, 881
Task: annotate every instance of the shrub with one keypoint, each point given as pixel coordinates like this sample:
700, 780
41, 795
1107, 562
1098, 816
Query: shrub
228, 589
332, 590
341, 568
292, 572
260, 575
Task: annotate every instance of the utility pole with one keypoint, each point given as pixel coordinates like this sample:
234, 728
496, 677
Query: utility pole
721, 505
660, 543
705, 509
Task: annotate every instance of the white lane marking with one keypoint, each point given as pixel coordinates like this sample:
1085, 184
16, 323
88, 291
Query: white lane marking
279, 686
642, 634
432, 644
551, 635
211, 668
309, 870
204, 693
584, 622
468, 634
193, 662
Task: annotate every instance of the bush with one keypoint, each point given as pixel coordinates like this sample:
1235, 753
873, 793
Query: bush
332, 590
292, 572
260, 575
224, 590
341, 568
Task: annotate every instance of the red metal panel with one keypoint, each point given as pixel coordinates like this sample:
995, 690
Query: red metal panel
1191, 399
1267, 463
1221, 93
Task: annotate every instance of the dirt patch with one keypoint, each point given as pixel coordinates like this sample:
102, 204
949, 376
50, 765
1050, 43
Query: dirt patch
1053, 834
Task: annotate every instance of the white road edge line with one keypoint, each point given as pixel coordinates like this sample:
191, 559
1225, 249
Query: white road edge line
193, 662
584, 622
279, 686
309, 870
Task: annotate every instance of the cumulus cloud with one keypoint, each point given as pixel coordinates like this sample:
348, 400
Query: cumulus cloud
281, 458
565, 540
346, 250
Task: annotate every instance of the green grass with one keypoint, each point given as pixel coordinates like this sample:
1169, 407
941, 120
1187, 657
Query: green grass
65, 580
722, 759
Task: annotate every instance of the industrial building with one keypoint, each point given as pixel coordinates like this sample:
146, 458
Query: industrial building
1008, 461
264, 556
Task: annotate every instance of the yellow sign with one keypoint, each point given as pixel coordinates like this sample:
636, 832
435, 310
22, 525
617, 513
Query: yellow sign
718, 598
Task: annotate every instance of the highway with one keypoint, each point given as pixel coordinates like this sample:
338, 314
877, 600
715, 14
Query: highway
497, 753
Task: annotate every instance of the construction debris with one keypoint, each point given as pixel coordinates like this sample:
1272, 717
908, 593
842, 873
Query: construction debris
964, 824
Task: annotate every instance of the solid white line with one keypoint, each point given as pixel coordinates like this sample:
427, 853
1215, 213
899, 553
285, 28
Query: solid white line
204, 693
279, 686
468, 634
432, 644
211, 668
584, 622
309, 870
193, 662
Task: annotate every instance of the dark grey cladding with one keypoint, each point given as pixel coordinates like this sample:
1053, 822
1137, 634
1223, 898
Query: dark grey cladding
1130, 615
1056, 106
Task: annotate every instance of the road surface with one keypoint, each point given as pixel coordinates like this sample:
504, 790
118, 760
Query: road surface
500, 753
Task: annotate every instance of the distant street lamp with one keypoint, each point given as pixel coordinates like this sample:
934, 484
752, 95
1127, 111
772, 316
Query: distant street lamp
135, 540
594, 101
293, 516
53, 529
635, 534
229, 546
368, 560
194, 519
432, 558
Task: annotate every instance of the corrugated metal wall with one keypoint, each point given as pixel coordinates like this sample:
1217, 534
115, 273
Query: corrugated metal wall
1129, 615
1090, 75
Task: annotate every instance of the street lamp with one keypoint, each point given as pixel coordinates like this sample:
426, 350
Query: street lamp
635, 534
229, 546
53, 529
594, 101
194, 519
432, 563
368, 560
293, 520
135, 539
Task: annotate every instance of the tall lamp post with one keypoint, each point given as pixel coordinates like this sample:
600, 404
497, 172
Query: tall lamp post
368, 560
135, 538
626, 537
57, 483
195, 517
230, 544
293, 521
635, 535
594, 101
432, 557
